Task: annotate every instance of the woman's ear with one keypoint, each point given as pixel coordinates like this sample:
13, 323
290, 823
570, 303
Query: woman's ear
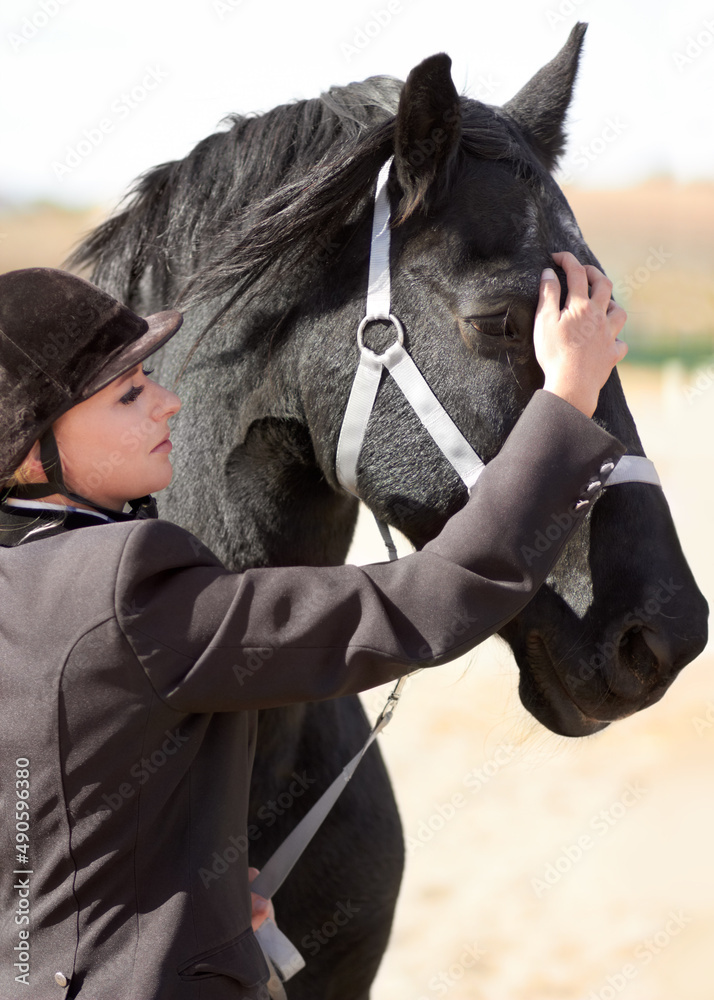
33, 465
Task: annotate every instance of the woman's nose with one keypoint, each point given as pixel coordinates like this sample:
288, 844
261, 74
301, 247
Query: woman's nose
168, 404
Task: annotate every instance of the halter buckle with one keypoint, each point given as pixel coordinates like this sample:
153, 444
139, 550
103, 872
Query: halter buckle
376, 319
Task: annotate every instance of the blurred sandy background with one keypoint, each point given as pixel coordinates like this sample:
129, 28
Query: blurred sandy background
491, 802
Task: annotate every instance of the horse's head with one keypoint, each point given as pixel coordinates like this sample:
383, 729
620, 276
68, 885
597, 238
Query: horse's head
273, 217
476, 215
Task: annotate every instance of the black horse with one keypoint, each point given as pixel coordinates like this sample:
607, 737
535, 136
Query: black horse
265, 228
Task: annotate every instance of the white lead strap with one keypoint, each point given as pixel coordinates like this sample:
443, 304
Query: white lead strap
634, 469
278, 867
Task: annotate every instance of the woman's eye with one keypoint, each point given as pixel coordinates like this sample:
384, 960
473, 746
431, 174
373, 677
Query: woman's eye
132, 394
136, 390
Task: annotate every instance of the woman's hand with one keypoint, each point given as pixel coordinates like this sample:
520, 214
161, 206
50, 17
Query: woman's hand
578, 347
261, 908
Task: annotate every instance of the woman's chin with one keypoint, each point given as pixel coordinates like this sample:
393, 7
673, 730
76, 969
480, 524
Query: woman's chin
161, 478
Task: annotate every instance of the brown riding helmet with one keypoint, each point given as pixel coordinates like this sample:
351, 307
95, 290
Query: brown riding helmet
62, 339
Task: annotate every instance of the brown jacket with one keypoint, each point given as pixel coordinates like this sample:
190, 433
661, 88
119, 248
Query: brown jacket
132, 664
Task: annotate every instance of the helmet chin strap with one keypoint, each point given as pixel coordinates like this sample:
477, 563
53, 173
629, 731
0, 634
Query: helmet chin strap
142, 507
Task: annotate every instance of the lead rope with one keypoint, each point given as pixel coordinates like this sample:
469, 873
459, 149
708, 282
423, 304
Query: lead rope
283, 957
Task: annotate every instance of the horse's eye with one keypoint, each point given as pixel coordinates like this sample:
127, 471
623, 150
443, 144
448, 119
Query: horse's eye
494, 326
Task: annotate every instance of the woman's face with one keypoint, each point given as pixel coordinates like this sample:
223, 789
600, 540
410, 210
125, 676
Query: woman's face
114, 446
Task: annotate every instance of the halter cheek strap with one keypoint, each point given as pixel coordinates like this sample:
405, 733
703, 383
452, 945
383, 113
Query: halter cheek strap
452, 443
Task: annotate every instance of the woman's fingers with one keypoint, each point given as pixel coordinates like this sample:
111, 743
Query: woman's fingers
549, 297
577, 279
584, 280
577, 347
616, 316
597, 288
600, 286
261, 908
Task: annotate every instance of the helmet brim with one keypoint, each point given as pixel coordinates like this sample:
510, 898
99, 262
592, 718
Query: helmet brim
161, 327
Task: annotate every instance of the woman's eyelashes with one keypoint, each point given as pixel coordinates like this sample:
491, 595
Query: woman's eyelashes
136, 390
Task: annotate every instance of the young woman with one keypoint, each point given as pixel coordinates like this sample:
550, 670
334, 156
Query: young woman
128, 691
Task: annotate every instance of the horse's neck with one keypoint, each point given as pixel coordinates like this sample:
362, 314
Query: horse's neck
292, 519
264, 503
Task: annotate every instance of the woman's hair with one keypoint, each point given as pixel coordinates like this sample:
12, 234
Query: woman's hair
20, 477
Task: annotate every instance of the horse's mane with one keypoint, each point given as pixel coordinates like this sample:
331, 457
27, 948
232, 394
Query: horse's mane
265, 193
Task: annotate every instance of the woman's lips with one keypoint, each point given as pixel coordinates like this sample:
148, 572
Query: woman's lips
164, 446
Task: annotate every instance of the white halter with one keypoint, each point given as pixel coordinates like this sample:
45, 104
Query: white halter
455, 447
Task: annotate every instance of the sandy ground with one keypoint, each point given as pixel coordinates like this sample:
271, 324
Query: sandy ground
625, 818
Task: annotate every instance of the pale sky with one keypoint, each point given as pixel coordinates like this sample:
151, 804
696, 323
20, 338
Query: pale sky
94, 92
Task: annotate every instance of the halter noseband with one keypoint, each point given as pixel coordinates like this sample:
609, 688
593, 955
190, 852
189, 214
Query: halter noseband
450, 440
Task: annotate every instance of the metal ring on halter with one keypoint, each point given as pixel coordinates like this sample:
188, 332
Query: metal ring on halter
379, 319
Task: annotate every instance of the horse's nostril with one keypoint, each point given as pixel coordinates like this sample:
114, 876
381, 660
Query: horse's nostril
659, 648
635, 668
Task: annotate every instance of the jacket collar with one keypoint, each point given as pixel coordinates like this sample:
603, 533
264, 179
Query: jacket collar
26, 520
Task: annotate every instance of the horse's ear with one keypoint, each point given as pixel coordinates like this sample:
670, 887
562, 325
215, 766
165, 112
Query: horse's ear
540, 107
427, 132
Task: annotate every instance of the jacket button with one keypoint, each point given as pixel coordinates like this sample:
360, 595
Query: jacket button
579, 504
606, 467
594, 486
61, 979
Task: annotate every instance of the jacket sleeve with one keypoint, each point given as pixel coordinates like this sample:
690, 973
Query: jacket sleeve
212, 640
